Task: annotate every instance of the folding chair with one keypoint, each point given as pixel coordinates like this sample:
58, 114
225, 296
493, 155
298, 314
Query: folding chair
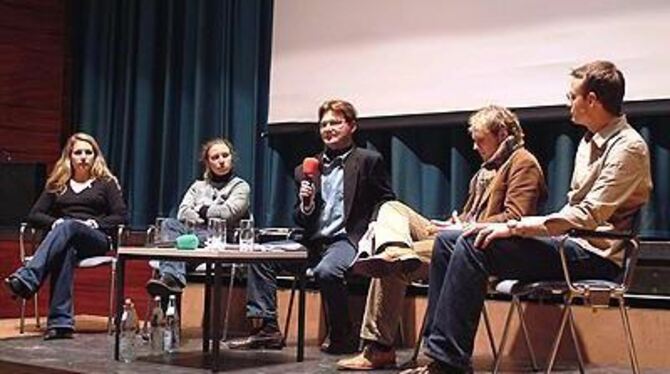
29, 234
598, 293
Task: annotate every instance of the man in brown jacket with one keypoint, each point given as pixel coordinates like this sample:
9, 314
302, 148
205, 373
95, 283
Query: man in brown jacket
509, 185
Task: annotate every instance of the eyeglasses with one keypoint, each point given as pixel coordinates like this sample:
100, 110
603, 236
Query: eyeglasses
79, 152
331, 123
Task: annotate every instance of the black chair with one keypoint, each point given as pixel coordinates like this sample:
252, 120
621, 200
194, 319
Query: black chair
29, 234
598, 293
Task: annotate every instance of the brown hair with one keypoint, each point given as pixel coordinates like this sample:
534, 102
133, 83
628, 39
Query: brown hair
62, 171
606, 81
205, 150
344, 108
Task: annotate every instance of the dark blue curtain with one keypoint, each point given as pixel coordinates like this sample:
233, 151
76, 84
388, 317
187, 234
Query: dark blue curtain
431, 167
154, 79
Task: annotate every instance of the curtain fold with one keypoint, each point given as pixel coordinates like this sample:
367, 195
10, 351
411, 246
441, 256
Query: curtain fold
153, 79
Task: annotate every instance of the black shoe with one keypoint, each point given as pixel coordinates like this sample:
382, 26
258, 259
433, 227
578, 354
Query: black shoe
164, 287
344, 346
17, 288
55, 333
263, 338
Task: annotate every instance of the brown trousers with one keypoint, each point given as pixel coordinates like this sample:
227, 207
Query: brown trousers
396, 223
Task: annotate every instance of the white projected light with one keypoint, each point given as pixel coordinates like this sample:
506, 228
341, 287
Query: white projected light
397, 57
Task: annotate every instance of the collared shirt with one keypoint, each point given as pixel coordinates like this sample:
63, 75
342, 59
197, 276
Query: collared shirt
610, 183
331, 217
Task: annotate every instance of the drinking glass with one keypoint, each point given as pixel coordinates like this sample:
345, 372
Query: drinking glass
247, 235
216, 230
160, 234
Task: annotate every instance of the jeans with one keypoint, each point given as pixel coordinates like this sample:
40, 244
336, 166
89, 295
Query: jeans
459, 274
58, 254
173, 228
331, 265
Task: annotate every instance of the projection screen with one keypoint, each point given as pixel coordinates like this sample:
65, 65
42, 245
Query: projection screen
401, 57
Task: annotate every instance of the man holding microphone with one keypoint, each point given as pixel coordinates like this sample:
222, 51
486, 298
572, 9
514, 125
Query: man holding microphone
336, 202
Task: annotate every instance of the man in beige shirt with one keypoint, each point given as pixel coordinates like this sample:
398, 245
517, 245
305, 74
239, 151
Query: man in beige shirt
611, 182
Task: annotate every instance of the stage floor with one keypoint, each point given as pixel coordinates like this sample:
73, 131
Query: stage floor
92, 353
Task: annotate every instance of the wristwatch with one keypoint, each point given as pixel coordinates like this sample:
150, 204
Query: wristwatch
512, 225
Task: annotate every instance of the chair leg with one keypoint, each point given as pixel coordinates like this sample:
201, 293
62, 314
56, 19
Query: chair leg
145, 325
526, 336
37, 311
575, 341
559, 334
290, 310
629, 336
112, 284
224, 334
489, 332
503, 339
417, 346
22, 317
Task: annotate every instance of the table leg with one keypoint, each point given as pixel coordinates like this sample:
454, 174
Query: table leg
301, 317
207, 311
120, 284
216, 317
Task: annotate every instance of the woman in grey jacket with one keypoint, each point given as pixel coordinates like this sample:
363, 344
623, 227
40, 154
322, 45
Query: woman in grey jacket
221, 194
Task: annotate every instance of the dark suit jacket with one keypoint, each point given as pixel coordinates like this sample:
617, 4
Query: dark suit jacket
517, 190
366, 187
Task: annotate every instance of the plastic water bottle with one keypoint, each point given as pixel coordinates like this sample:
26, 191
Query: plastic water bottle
129, 327
171, 333
157, 326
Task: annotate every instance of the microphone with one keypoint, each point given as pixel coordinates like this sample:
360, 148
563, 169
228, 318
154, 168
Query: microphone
310, 169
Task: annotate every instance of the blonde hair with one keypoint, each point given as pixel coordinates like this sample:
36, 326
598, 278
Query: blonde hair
494, 118
62, 171
205, 150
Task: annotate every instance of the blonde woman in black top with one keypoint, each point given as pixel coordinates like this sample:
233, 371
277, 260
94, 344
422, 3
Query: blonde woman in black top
82, 203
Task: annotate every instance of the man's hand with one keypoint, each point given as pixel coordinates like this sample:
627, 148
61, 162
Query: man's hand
306, 195
488, 232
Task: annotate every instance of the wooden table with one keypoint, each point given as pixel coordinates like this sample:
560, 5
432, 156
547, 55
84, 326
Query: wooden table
211, 328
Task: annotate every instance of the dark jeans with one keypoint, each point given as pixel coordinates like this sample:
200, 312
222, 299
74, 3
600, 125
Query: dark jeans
58, 254
458, 277
331, 263
177, 269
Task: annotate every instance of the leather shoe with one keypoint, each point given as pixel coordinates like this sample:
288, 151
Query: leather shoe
370, 359
164, 287
17, 288
341, 347
58, 333
263, 338
394, 260
436, 367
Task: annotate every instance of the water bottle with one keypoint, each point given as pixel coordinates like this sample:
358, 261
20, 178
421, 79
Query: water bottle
129, 327
171, 333
157, 326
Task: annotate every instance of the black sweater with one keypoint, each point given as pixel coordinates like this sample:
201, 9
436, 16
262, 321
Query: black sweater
102, 201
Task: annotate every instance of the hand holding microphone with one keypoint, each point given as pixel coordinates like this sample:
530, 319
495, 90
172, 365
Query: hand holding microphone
310, 170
